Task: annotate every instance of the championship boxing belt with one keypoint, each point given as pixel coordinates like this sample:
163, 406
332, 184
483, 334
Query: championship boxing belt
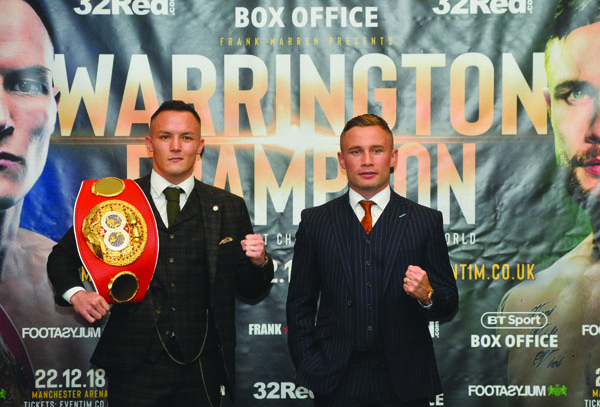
117, 238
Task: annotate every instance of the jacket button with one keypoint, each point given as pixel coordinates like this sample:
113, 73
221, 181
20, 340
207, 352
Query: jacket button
350, 302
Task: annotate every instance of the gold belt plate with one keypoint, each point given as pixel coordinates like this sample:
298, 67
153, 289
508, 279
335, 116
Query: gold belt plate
115, 232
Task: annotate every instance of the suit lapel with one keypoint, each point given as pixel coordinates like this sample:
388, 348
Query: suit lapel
190, 209
211, 218
397, 218
339, 219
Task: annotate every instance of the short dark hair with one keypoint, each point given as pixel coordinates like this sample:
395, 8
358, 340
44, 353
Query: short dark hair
570, 15
367, 120
176, 106
39, 10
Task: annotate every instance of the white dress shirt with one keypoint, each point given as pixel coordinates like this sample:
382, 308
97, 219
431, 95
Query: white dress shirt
158, 185
381, 200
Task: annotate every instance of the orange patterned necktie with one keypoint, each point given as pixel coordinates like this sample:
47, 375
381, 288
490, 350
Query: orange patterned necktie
367, 220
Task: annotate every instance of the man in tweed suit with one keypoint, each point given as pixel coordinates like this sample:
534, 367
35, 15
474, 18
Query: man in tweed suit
176, 347
370, 268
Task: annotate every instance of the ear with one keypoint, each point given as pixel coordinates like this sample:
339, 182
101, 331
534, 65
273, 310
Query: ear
201, 147
394, 158
340, 158
149, 144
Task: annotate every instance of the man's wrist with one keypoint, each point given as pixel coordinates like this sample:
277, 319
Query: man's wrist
67, 295
266, 261
427, 301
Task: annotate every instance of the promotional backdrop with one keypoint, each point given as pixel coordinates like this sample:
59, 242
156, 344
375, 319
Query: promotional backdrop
461, 83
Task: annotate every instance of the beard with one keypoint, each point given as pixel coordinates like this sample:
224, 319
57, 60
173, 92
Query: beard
588, 200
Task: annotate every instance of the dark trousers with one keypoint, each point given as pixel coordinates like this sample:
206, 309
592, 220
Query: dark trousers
166, 383
365, 383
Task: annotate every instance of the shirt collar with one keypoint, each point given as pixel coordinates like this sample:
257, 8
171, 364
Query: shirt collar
381, 199
158, 184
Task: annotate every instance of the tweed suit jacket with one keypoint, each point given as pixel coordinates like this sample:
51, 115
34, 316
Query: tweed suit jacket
322, 304
128, 331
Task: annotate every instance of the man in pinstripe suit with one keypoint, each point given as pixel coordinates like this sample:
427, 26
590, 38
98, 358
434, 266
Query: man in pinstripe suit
370, 269
176, 347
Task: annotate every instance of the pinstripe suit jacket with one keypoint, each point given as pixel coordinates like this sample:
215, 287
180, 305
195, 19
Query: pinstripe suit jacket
321, 287
129, 328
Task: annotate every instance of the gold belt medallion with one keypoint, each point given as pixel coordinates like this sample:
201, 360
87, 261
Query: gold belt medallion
115, 232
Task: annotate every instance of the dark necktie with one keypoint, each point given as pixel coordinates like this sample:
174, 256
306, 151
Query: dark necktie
367, 220
172, 195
